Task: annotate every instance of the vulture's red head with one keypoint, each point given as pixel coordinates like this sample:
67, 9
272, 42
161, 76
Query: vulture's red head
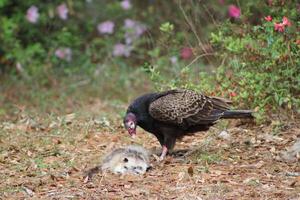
130, 123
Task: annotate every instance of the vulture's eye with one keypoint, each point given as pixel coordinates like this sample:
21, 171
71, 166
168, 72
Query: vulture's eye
125, 159
131, 124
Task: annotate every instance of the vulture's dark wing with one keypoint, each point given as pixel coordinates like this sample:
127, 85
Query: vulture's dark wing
187, 108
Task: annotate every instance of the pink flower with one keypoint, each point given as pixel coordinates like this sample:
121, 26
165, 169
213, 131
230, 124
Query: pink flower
62, 11
64, 54
232, 94
234, 11
140, 29
121, 50
125, 4
279, 27
268, 18
106, 27
129, 23
286, 21
135, 26
221, 2
32, 14
186, 53
270, 2
134, 30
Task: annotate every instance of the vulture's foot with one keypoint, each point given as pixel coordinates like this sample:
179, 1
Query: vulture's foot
163, 153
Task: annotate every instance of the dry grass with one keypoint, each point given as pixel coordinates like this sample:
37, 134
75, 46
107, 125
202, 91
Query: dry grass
44, 157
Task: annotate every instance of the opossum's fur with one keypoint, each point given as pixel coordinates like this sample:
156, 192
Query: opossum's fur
131, 159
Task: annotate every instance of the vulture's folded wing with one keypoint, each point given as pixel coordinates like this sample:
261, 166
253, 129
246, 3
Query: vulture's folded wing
187, 108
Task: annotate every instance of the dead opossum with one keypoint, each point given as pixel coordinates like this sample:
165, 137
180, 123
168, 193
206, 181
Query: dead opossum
131, 159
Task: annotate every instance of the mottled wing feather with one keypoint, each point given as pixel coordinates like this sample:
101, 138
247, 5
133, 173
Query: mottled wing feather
220, 103
186, 107
176, 107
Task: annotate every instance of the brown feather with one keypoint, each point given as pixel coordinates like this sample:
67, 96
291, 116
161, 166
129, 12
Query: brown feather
186, 106
173, 114
220, 103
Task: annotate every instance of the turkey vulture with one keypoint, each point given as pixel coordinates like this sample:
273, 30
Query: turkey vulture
175, 113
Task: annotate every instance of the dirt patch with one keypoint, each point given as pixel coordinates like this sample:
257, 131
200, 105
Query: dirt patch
44, 157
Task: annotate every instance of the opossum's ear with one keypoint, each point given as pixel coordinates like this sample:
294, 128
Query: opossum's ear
125, 159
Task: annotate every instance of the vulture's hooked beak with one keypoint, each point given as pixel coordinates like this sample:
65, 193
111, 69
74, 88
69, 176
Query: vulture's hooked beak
132, 132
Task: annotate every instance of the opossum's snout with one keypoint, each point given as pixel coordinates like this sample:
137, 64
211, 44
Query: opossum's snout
148, 168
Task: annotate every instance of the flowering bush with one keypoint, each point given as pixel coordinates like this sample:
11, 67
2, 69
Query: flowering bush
106, 27
261, 61
243, 50
67, 36
257, 51
234, 11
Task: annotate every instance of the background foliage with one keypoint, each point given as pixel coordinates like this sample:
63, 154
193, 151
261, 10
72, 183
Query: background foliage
118, 49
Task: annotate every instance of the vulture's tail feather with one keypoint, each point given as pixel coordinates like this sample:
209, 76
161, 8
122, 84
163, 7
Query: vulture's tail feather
233, 114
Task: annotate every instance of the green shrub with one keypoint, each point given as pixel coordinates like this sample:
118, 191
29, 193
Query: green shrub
37, 38
220, 47
262, 62
257, 65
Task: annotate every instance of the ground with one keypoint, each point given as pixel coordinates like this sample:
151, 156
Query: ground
44, 156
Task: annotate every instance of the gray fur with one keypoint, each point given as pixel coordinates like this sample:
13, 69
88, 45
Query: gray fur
132, 159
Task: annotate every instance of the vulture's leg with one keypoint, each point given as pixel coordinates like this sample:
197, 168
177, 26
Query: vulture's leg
164, 152
160, 138
169, 143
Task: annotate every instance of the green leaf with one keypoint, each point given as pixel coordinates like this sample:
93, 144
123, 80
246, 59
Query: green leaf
166, 27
